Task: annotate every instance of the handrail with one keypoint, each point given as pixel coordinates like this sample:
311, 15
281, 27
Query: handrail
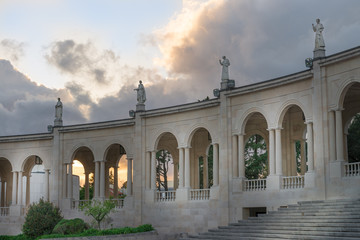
254, 184
352, 169
199, 194
293, 182
4, 211
165, 196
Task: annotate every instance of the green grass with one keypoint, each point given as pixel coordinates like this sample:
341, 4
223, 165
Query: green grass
87, 233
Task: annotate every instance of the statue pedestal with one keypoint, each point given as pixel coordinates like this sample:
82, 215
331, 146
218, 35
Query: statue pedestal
140, 107
319, 53
58, 122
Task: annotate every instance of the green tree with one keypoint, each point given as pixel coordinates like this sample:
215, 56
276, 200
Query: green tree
353, 139
98, 209
210, 166
256, 158
91, 189
163, 158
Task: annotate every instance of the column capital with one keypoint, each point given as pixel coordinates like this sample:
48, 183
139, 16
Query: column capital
308, 122
278, 128
99, 160
339, 109
46, 169
14, 171
271, 129
215, 143
129, 158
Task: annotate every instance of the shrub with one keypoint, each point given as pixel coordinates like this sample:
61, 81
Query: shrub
70, 226
41, 219
98, 209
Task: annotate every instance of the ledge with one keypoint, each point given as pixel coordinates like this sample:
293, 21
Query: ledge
97, 126
27, 137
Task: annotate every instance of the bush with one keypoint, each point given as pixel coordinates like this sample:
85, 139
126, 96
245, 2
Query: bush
41, 219
98, 210
70, 226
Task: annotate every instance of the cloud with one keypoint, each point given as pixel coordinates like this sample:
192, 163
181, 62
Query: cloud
11, 49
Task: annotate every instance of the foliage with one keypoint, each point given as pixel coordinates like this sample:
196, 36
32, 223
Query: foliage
70, 226
163, 158
298, 156
91, 189
353, 139
95, 232
18, 237
210, 167
98, 210
41, 219
256, 158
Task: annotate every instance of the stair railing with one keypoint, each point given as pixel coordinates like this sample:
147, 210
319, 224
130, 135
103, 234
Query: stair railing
293, 182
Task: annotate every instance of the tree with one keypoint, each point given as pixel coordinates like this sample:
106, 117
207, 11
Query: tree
353, 139
91, 189
210, 166
163, 157
256, 158
98, 209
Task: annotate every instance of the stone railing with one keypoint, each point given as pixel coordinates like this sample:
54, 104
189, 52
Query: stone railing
293, 182
352, 169
4, 211
254, 184
199, 194
76, 204
119, 202
165, 196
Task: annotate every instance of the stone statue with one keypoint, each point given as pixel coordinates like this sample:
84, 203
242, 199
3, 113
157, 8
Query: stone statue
225, 63
58, 110
319, 39
141, 95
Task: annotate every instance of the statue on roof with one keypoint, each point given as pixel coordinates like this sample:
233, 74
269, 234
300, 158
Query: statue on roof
225, 63
319, 39
141, 95
58, 113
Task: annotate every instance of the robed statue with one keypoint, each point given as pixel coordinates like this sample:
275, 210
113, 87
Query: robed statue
225, 63
141, 95
319, 39
58, 110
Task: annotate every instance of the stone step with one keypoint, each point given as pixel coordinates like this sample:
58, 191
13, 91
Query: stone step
294, 228
316, 214
296, 224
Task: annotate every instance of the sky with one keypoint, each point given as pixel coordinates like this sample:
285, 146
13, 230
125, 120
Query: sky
93, 53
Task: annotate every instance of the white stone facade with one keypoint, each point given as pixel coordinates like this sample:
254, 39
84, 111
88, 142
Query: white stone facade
313, 106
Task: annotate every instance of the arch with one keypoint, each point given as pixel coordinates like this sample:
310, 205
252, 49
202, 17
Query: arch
241, 123
26, 164
160, 134
71, 154
286, 106
120, 154
258, 132
342, 90
122, 143
189, 135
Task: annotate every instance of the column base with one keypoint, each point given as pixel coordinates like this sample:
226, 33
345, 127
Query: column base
182, 194
310, 179
238, 184
336, 169
273, 182
319, 53
140, 107
16, 210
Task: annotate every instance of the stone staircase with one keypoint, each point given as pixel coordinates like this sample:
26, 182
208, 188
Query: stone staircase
330, 220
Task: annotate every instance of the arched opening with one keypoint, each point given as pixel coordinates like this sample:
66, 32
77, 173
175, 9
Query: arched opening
293, 142
6, 179
353, 139
33, 181
256, 158
116, 172
167, 163
201, 160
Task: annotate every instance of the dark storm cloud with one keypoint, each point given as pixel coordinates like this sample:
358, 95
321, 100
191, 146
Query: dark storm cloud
82, 60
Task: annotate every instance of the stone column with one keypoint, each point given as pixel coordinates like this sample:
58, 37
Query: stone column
181, 167
129, 177
153, 170
46, 184
116, 182
176, 172
27, 198
14, 189
20, 188
332, 138
241, 159
187, 167
278, 152
346, 157
64, 180
1, 192
70, 182
107, 182
148, 170
272, 151
87, 185
97, 180
235, 158
310, 146
216, 164
303, 157
206, 172
102, 180
339, 136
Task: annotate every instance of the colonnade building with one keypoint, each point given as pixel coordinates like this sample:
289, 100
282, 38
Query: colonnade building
313, 108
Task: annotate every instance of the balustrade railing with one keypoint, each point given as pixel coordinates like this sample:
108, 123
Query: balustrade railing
293, 182
4, 211
254, 184
199, 194
165, 196
76, 204
119, 203
352, 169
